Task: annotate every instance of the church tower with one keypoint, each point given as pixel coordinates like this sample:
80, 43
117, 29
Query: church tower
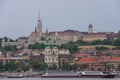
51, 52
90, 28
39, 25
3, 42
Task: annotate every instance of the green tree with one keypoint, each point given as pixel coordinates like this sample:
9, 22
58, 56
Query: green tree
34, 65
37, 66
1, 67
107, 42
116, 42
0, 41
71, 46
6, 39
21, 66
10, 48
10, 66
116, 48
96, 42
119, 66
109, 66
52, 67
36, 46
102, 48
99, 69
74, 66
43, 66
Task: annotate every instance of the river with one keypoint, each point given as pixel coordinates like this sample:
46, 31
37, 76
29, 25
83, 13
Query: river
59, 78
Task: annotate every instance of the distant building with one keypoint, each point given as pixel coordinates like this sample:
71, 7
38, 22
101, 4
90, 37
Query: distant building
65, 59
94, 36
36, 36
62, 37
90, 28
51, 52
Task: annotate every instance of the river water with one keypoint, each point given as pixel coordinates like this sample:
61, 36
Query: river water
59, 78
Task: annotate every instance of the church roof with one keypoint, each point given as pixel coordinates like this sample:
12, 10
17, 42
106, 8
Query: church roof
23, 37
66, 32
35, 34
90, 26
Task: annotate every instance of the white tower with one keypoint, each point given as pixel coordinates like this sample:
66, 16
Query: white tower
90, 28
3, 42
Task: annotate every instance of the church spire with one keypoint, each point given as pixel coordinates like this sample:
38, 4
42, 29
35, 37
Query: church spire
39, 24
39, 15
35, 29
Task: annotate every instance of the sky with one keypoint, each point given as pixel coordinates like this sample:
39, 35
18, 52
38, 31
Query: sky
19, 17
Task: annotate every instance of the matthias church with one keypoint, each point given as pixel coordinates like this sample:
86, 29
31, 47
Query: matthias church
62, 37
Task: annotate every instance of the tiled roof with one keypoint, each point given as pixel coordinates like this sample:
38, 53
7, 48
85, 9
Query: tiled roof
94, 60
87, 60
4, 58
35, 34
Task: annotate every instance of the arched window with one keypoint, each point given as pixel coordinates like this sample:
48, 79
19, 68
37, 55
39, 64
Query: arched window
46, 58
53, 59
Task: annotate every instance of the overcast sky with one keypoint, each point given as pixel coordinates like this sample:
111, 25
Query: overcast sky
19, 17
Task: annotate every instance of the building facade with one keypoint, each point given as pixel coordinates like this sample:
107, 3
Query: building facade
51, 52
62, 36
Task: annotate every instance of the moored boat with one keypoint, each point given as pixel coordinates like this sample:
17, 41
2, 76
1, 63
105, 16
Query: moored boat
15, 76
81, 74
95, 74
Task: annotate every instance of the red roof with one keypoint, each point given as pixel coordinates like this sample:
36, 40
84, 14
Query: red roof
87, 60
4, 58
94, 60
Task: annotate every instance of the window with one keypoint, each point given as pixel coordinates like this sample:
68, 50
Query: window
56, 59
46, 58
53, 59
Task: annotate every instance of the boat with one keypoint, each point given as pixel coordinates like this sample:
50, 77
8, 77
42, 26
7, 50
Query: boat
15, 75
95, 74
81, 74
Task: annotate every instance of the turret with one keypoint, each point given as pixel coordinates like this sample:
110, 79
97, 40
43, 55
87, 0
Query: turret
55, 41
90, 28
3, 40
47, 44
39, 24
46, 31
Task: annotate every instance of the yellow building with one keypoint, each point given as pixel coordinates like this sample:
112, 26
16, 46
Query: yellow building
93, 47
